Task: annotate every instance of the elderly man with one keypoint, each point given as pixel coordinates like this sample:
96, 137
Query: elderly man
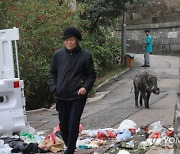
72, 75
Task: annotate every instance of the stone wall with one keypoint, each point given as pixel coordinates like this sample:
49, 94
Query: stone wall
166, 38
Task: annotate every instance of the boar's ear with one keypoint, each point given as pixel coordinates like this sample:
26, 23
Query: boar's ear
149, 77
152, 77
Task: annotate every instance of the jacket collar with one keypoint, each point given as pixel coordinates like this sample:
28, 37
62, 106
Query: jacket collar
75, 50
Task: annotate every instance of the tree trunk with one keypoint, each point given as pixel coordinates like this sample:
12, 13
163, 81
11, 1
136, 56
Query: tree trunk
73, 4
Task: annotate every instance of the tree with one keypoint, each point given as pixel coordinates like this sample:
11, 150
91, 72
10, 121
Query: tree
102, 10
143, 2
41, 25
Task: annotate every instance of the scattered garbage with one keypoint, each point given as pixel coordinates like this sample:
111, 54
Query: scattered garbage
127, 138
158, 135
52, 143
127, 124
57, 128
29, 141
4, 148
124, 136
123, 152
141, 139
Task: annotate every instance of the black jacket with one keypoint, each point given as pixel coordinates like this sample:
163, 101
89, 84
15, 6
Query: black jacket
70, 71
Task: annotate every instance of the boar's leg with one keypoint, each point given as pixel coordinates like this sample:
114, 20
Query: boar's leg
136, 92
148, 96
144, 96
140, 101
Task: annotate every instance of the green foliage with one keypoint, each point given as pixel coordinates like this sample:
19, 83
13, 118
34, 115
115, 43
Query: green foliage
103, 10
143, 1
104, 47
41, 24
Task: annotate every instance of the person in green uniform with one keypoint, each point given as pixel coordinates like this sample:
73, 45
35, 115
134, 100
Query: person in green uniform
148, 49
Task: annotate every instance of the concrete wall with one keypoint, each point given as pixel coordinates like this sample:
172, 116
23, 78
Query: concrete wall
166, 37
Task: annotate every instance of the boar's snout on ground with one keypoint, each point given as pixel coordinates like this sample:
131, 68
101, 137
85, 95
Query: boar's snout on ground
145, 84
155, 91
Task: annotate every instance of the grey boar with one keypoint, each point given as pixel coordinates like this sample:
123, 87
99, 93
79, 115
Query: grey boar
145, 84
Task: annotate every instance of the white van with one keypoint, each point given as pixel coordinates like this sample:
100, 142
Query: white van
12, 100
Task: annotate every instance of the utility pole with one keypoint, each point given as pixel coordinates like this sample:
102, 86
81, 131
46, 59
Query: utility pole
123, 39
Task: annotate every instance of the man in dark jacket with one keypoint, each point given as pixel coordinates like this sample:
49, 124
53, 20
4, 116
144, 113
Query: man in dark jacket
72, 75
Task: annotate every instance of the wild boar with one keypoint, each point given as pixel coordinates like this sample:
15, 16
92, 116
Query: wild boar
145, 84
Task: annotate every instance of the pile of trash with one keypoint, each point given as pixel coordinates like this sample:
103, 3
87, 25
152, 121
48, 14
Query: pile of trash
30, 141
127, 138
96, 138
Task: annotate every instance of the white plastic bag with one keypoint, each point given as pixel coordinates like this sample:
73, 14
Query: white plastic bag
123, 152
126, 124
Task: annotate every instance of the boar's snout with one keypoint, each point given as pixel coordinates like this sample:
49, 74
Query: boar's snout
155, 90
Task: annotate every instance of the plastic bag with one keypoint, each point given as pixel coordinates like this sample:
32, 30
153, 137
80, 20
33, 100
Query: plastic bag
29, 129
124, 136
127, 124
101, 135
91, 133
157, 127
52, 143
111, 134
123, 152
58, 128
5, 149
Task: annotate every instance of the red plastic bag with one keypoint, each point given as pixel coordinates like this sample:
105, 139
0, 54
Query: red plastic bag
111, 134
155, 135
132, 130
80, 128
101, 136
169, 133
57, 128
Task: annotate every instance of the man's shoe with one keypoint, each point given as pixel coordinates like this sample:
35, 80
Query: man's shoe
143, 66
147, 66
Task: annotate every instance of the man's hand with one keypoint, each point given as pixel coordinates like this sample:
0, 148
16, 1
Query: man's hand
82, 91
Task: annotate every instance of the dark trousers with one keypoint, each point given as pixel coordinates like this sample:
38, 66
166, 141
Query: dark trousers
69, 116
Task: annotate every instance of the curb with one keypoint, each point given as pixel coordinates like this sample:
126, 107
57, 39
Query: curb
100, 95
39, 110
111, 79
